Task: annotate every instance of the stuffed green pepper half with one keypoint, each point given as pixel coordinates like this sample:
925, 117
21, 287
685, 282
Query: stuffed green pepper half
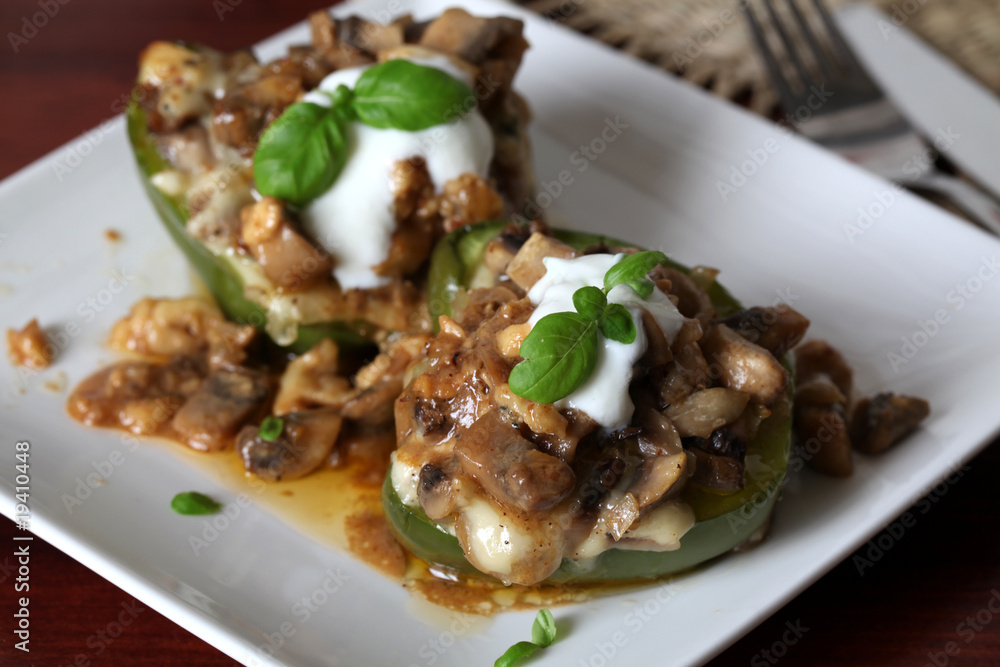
308, 191
588, 411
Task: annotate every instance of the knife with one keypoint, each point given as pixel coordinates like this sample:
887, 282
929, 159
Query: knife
933, 93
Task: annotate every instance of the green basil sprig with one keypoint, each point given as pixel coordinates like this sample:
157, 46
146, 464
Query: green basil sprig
560, 352
301, 153
543, 633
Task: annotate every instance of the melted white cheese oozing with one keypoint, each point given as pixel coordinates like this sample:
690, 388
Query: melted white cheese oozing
354, 220
604, 395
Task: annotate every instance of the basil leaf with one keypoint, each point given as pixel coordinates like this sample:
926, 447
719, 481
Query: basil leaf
543, 631
641, 286
271, 428
590, 301
632, 270
516, 653
559, 354
194, 503
301, 154
617, 324
406, 96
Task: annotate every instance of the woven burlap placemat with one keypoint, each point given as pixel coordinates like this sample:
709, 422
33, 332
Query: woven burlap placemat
707, 42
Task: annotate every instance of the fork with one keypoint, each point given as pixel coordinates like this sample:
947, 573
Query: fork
847, 111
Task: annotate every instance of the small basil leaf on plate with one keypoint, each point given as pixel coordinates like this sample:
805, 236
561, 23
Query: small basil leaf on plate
406, 96
271, 428
516, 653
543, 631
632, 270
301, 154
617, 324
194, 503
590, 301
559, 354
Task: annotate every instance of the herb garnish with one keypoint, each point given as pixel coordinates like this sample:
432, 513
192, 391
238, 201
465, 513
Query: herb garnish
194, 503
543, 633
301, 153
560, 352
271, 428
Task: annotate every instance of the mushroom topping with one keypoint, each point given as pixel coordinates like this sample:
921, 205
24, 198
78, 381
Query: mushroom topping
437, 491
882, 421
742, 365
286, 257
704, 411
720, 458
776, 329
509, 467
213, 414
305, 443
821, 399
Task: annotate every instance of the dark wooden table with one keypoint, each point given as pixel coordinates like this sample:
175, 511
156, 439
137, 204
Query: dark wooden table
927, 595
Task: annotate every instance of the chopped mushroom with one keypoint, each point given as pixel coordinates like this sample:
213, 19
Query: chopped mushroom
742, 365
213, 414
720, 458
707, 410
526, 267
777, 329
288, 260
305, 443
166, 328
885, 419
509, 468
28, 347
825, 385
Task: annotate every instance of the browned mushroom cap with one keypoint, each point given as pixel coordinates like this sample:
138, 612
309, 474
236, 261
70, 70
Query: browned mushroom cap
776, 329
508, 466
742, 365
882, 421
305, 443
211, 417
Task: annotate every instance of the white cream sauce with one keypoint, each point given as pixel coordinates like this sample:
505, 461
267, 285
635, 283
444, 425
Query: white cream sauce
604, 395
355, 219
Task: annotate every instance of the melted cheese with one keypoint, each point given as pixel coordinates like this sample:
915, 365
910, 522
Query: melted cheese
604, 395
355, 219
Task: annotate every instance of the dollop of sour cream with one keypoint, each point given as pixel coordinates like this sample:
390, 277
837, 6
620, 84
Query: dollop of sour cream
604, 395
354, 220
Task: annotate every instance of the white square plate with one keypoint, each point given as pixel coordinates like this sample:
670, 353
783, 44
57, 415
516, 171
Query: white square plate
659, 152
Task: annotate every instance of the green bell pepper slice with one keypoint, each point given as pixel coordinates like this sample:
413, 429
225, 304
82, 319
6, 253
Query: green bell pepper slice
722, 521
217, 273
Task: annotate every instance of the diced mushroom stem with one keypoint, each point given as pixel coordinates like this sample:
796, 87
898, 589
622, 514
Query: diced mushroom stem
437, 491
742, 365
213, 415
286, 257
776, 329
720, 459
817, 357
527, 267
655, 477
707, 410
823, 439
509, 468
305, 443
885, 419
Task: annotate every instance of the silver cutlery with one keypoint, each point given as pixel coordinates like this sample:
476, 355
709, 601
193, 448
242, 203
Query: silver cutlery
814, 69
